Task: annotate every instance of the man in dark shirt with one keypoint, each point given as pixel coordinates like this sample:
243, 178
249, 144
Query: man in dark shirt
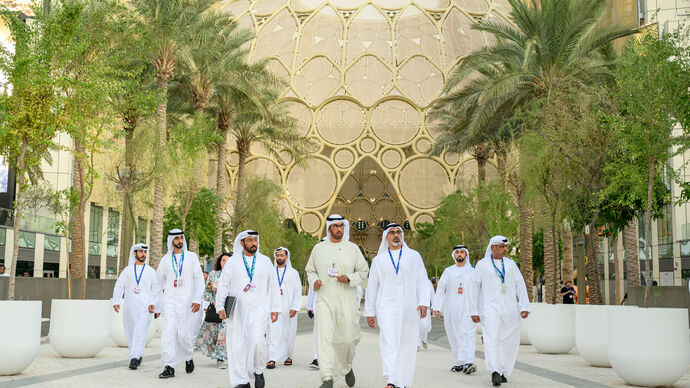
568, 293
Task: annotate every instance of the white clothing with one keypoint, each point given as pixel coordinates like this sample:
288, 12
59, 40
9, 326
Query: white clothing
452, 299
247, 325
136, 318
180, 324
499, 305
337, 321
311, 298
425, 323
282, 333
394, 298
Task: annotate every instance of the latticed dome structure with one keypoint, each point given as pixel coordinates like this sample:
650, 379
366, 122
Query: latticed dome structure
361, 77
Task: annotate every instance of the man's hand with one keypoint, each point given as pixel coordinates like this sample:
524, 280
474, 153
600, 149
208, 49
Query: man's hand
152, 309
274, 317
372, 322
343, 279
317, 285
156, 315
524, 314
222, 314
293, 313
437, 314
195, 307
422, 311
475, 318
116, 308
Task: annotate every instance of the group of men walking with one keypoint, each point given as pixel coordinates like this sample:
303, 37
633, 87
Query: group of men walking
262, 323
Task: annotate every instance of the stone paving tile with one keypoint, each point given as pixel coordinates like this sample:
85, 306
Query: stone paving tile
109, 369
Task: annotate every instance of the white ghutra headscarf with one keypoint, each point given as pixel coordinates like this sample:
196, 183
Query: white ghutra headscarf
136, 247
237, 248
495, 240
337, 218
288, 264
171, 236
384, 241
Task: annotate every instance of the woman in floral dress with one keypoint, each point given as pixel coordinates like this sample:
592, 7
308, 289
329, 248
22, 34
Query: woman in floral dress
211, 338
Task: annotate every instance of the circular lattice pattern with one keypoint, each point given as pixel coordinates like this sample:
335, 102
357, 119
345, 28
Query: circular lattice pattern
344, 158
424, 182
313, 184
310, 223
395, 121
423, 145
367, 145
340, 121
391, 158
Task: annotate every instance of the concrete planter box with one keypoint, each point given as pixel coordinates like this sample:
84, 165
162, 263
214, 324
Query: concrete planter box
79, 328
649, 346
551, 327
20, 325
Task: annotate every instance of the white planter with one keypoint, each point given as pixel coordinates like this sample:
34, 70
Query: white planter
20, 325
117, 330
551, 327
79, 328
591, 333
649, 346
524, 336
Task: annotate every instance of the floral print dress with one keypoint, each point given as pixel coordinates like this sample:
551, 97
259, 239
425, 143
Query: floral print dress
211, 338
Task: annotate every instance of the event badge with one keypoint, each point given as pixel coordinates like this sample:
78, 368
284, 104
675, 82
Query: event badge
333, 272
281, 291
175, 283
503, 289
247, 287
460, 289
179, 283
137, 290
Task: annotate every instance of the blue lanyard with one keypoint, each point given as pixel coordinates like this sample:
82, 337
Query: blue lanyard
138, 279
246, 266
175, 266
280, 280
501, 274
392, 261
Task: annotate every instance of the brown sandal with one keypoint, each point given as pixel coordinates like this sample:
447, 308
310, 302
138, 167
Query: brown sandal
288, 362
271, 365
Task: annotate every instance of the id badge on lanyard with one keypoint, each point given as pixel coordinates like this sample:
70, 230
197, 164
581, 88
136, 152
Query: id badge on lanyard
460, 289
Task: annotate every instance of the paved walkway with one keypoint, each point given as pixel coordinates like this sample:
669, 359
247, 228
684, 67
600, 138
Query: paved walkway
109, 368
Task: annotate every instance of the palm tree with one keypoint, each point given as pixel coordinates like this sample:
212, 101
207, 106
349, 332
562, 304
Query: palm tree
267, 124
549, 45
175, 25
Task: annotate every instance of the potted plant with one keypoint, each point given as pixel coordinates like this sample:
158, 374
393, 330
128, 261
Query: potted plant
21, 325
79, 328
551, 327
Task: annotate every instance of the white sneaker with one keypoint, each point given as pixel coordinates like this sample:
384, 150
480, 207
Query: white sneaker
426, 345
221, 364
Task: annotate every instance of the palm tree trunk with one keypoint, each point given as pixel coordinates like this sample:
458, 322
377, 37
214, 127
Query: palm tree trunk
220, 191
239, 191
617, 269
126, 183
480, 155
648, 232
632, 258
526, 217
78, 256
549, 258
159, 181
568, 269
593, 264
17, 217
127, 231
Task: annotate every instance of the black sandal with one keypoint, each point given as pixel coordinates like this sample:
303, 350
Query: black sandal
288, 362
271, 365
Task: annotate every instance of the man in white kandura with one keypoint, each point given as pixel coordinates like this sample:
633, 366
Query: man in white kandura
397, 295
282, 333
335, 268
452, 298
180, 278
498, 298
136, 282
425, 323
250, 277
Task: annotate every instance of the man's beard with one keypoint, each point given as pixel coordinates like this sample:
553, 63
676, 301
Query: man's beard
280, 262
460, 260
141, 259
251, 249
178, 246
396, 243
